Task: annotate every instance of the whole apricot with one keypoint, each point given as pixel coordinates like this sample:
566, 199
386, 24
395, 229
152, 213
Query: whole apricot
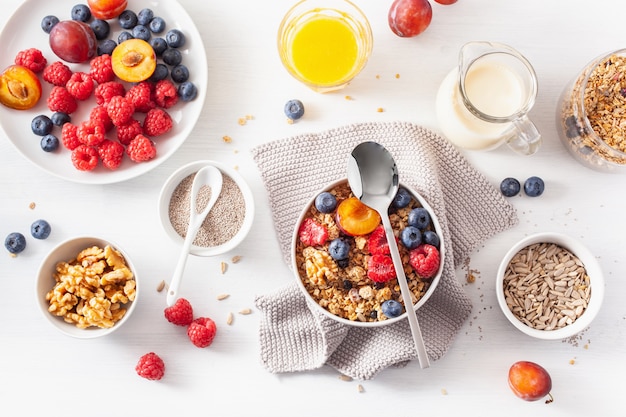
133, 60
20, 88
355, 218
530, 381
106, 9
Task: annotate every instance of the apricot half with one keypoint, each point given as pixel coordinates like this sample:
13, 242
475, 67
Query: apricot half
19, 88
133, 60
355, 218
106, 9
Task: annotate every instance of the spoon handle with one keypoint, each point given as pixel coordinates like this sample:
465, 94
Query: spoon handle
172, 292
416, 332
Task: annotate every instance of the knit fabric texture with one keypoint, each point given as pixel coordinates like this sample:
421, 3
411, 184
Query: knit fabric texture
294, 336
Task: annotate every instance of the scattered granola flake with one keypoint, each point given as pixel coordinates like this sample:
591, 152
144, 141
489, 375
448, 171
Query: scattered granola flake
397, 75
227, 139
360, 388
235, 259
222, 296
377, 76
161, 286
471, 278
249, 117
245, 311
236, 167
444, 391
289, 121
380, 110
572, 361
230, 318
32, 205
345, 378
223, 267
348, 98
242, 121
586, 346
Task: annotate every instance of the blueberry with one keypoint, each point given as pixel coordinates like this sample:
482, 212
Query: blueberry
180, 73
402, 198
294, 109
145, 16
172, 57
325, 202
127, 19
49, 143
100, 28
159, 45
510, 187
157, 25
187, 91
106, 47
160, 72
48, 22
534, 186
41, 125
343, 263
124, 36
60, 118
374, 314
391, 308
175, 38
141, 32
347, 284
419, 217
339, 249
431, 238
81, 12
15, 242
411, 237
40, 229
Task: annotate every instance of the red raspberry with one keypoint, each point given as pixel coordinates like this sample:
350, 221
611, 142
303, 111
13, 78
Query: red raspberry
129, 131
69, 136
84, 158
377, 242
111, 153
180, 314
165, 94
425, 260
80, 85
120, 110
380, 268
60, 100
150, 366
32, 59
90, 132
157, 122
141, 96
312, 233
101, 69
104, 92
57, 74
99, 114
202, 331
141, 149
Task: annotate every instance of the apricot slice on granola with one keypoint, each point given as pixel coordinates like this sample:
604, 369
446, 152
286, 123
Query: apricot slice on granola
133, 60
20, 88
355, 218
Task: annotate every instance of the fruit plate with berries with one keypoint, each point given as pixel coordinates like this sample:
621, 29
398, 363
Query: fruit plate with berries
342, 261
102, 91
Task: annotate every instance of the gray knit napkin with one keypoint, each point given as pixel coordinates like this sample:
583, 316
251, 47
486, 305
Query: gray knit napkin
294, 337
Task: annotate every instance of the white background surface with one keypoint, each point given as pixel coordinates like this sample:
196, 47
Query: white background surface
43, 371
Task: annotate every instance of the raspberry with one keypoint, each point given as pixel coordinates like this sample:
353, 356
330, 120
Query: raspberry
90, 133
99, 114
312, 233
165, 94
141, 97
150, 366
60, 100
202, 331
180, 314
84, 158
380, 268
157, 122
111, 153
120, 110
377, 242
141, 149
425, 260
101, 69
104, 92
57, 74
129, 131
32, 59
69, 136
80, 85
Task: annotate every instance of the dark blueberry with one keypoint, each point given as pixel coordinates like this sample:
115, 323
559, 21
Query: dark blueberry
141, 32
179, 73
172, 57
159, 45
187, 91
40, 229
411, 237
106, 47
391, 308
343, 263
81, 12
374, 314
124, 36
127, 19
160, 72
294, 109
379, 285
175, 38
48, 22
49, 143
60, 118
145, 16
402, 198
419, 217
157, 25
15, 242
101, 28
573, 127
325, 202
510, 187
534, 186
339, 249
41, 125
431, 238
347, 284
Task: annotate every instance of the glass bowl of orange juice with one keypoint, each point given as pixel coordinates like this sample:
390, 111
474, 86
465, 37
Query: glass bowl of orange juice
324, 43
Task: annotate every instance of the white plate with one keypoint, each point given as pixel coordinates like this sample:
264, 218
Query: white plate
23, 31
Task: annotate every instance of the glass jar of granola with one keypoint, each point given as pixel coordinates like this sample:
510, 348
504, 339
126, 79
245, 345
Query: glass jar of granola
591, 114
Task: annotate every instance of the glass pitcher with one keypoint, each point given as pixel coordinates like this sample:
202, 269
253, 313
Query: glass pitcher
485, 101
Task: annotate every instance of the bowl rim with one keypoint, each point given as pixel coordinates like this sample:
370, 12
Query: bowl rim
46, 267
592, 268
431, 289
170, 185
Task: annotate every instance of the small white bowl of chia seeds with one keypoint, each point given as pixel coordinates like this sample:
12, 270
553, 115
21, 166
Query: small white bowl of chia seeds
228, 222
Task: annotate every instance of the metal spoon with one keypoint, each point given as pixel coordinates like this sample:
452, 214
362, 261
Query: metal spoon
207, 176
373, 178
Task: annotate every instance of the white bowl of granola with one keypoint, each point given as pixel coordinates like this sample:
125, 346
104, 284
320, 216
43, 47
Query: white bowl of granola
341, 260
87, 287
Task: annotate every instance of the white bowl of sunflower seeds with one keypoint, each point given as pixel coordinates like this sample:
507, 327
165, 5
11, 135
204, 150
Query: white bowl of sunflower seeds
550, 286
